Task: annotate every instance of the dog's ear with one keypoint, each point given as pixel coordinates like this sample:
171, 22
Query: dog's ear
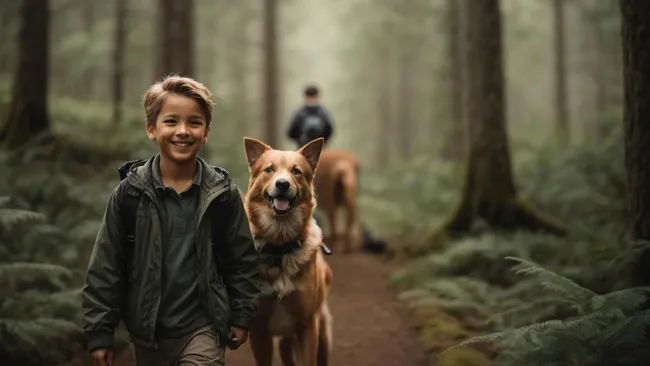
311, 151
254, 149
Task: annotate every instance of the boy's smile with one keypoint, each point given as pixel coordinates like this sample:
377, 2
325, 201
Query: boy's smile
180, 129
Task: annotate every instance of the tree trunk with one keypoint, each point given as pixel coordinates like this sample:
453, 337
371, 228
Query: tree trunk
28, 115
176, 37
636, 115
118, 60
85, 89
561, 102
239, 62
405, 66
489, 191
455, 144
600, 79
271, 87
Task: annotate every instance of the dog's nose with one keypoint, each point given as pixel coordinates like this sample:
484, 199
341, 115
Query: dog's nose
282, 184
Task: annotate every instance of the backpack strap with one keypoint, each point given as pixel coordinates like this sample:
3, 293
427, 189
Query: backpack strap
128, 209
128, 205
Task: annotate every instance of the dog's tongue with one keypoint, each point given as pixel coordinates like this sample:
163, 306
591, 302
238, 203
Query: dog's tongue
280, 204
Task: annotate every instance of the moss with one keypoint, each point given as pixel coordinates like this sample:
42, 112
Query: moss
441, 332
462, 357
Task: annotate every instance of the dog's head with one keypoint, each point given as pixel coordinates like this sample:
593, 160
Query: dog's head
282, 180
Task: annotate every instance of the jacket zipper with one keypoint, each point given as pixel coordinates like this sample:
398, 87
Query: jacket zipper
159, 238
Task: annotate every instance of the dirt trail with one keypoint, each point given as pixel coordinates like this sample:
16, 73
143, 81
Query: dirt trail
369, 327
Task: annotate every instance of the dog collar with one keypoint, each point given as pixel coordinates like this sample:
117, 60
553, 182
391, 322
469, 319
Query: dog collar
273, 254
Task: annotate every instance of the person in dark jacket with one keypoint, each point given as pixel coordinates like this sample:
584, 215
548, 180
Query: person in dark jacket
180, 297
311, 121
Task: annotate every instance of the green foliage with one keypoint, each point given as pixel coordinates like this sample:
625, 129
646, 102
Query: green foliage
39, 309
608, 329
585, 275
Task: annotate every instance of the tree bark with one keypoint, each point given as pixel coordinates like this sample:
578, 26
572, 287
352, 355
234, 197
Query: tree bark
176, 37
118, 60
28, 114
636, 115
271, 87
489, 191
561, 97
455, 145
239, 63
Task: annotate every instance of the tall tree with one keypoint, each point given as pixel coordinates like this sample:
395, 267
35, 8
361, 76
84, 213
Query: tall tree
455, 144
271, 87
28, 114
489, 190
240, 46
176, 38
636, 114
118, 59
561, 97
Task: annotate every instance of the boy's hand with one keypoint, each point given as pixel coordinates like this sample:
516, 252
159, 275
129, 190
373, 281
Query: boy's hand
240, 336
102, 357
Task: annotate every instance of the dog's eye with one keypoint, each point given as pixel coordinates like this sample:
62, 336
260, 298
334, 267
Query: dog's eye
295, 171
268, 170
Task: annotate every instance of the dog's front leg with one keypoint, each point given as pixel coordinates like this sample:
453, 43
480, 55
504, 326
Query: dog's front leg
308, 343
262, 346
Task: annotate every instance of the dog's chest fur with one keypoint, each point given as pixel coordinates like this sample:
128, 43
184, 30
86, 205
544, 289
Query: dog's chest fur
283, 279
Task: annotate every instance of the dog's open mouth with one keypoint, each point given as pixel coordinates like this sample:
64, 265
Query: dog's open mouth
281, 204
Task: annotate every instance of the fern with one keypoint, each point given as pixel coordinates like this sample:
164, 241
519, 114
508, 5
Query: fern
606, 327
46, 277
9, 218
40, 341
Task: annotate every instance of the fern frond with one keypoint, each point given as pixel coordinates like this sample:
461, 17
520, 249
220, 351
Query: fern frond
554, 282
627, 300
10, 217
22, 275
39, 341
32, 304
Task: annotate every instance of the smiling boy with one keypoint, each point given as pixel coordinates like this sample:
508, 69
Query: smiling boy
179, 287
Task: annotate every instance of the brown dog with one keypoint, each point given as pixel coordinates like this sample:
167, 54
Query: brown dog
336, 186
279, 203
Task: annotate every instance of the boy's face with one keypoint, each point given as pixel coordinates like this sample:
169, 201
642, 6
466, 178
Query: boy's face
313, 100
180, 130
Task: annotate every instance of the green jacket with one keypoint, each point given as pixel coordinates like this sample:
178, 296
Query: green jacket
115, 290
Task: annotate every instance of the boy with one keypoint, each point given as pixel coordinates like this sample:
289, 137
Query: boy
178, 299
311, 121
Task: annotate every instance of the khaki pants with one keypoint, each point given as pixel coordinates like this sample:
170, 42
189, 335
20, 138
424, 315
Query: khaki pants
197, 349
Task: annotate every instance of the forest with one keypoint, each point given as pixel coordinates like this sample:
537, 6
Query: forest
503, 148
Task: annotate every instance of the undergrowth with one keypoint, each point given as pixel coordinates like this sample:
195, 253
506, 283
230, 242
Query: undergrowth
467, 288
39, 309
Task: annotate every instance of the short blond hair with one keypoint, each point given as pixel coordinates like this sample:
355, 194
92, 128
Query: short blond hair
157, 93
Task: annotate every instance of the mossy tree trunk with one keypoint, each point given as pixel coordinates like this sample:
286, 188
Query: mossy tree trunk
28, 114
489, 191
636, 79
561, 100
455, 145
176, 37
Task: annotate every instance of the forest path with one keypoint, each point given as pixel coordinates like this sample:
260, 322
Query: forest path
370, 327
